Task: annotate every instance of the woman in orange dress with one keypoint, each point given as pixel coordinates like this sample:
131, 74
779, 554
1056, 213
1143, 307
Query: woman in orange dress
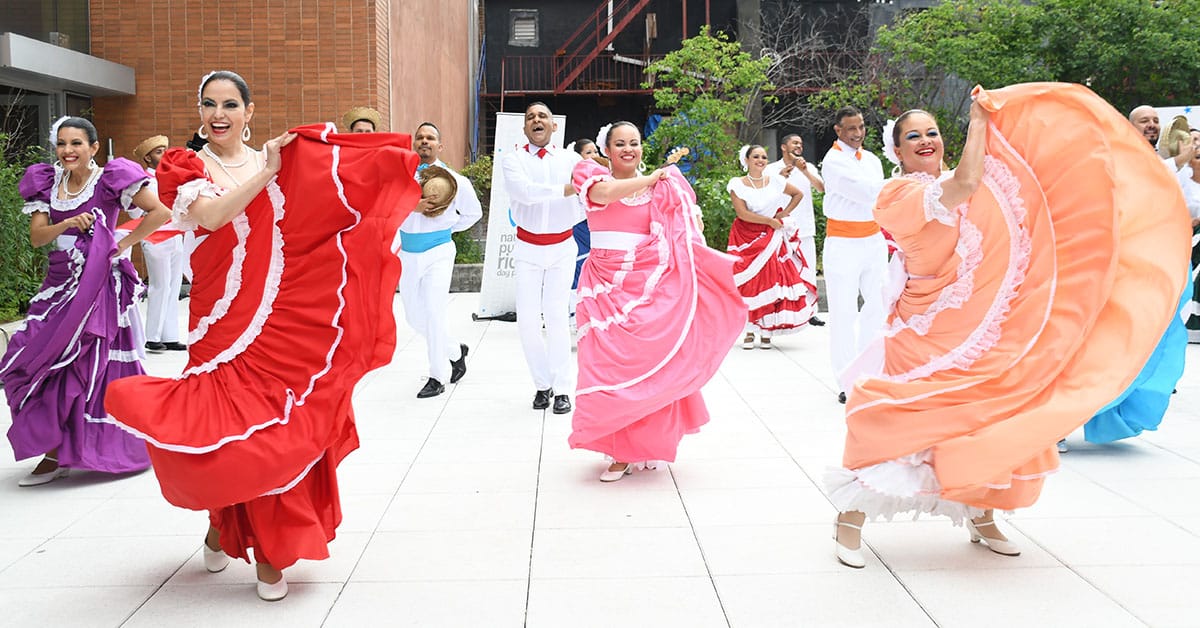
291, 304
1021, 275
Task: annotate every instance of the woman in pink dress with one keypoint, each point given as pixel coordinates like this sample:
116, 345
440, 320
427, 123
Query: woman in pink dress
778, 284
657, 310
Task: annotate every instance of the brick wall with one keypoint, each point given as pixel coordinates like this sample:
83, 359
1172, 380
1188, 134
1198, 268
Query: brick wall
305, 60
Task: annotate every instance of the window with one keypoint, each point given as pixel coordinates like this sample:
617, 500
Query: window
523, 28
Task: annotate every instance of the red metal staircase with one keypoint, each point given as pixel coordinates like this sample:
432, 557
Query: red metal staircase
590, 39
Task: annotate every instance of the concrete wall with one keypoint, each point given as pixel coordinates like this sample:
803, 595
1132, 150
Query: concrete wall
431, 75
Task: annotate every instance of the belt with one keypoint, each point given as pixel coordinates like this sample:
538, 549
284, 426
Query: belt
413, 242
617, 240
850, 228
543, 239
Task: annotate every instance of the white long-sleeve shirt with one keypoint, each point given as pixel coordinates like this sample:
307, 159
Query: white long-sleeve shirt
535, 189
851, 184
806, 225
463, 211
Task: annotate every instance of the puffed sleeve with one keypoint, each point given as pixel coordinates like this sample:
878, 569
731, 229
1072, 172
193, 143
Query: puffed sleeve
35, 188
906, 205
586, 174
122, 179
182, 178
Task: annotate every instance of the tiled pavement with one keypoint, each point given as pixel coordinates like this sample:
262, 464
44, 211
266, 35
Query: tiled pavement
469, 510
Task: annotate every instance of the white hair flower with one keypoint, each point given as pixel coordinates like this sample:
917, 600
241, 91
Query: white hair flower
200, 88
745, 150
889, 144
54, 130
602, 139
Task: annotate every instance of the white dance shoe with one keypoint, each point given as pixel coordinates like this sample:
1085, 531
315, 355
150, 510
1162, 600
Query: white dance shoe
613, 476
38, 479
273, 592
848, 557
214, 560
1007, 548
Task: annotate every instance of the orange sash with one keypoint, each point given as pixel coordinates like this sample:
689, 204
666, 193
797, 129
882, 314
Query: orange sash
850, 228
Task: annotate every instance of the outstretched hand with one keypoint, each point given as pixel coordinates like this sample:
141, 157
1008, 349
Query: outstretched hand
272, 148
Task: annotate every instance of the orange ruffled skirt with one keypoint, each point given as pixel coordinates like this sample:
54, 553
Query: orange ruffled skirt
1082, 237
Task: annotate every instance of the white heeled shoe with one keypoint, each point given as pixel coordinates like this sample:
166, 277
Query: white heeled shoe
748, 341
613, 476
38, 479
1007, 548
214, 560
848, 557
273, 592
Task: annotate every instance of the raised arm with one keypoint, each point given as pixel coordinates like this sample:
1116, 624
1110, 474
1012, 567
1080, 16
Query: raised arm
156, 216
959, 187
214, 213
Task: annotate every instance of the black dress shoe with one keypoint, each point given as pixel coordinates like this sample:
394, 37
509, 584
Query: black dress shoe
541, 400
562, 404
458, 367
841, 397
155, 346
816, 322
432, 388
174, 346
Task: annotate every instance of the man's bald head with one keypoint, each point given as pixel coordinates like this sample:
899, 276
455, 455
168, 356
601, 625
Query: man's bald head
1144, 118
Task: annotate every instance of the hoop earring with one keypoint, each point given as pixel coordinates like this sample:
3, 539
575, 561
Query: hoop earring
246, 133
92, 165
201, 133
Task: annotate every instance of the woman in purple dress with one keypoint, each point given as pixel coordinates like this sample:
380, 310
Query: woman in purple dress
80, 333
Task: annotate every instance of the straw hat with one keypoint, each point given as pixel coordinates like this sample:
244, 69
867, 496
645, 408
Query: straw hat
1177, 133
439, 187
362, 113
148, 145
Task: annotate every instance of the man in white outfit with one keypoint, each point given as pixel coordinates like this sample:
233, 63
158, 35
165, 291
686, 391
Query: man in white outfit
855, 251
793, 167
164, 265
545, 207
427, 254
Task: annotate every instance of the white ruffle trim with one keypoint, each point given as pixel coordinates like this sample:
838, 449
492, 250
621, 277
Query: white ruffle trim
270, 287
884, 490
233, 282
586, 187
934, 209
187, 194
778, 292
73, 203
620, 316
131, 191
32, 207
1006, 189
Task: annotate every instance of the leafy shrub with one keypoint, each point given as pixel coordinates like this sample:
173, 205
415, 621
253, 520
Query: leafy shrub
24, 267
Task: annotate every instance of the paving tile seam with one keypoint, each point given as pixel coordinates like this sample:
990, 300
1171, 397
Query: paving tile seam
537, 491
700, 547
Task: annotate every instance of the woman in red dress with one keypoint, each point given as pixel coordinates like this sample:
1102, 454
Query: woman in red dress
290, 306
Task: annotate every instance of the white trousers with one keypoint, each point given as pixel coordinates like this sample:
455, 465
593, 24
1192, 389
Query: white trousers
425, 292
808, 246
854, 266
544, 276
164, 267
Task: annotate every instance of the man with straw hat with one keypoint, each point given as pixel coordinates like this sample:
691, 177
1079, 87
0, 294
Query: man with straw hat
362, 120
163, 251
448, 205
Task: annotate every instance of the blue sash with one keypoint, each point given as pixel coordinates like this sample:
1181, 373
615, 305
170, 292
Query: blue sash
421, 242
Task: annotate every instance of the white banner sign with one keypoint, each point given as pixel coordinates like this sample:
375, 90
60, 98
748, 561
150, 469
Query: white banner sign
498, 292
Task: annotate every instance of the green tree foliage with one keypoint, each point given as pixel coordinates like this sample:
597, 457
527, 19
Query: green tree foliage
706, 86
1130, 52
23, 266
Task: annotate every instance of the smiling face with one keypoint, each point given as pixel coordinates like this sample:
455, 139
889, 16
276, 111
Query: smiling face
223, 113
625, 150
756, 160
73, 150
588, 151
1145, 120
427, 143
539, 125
794, 146
851, 130
919, 146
